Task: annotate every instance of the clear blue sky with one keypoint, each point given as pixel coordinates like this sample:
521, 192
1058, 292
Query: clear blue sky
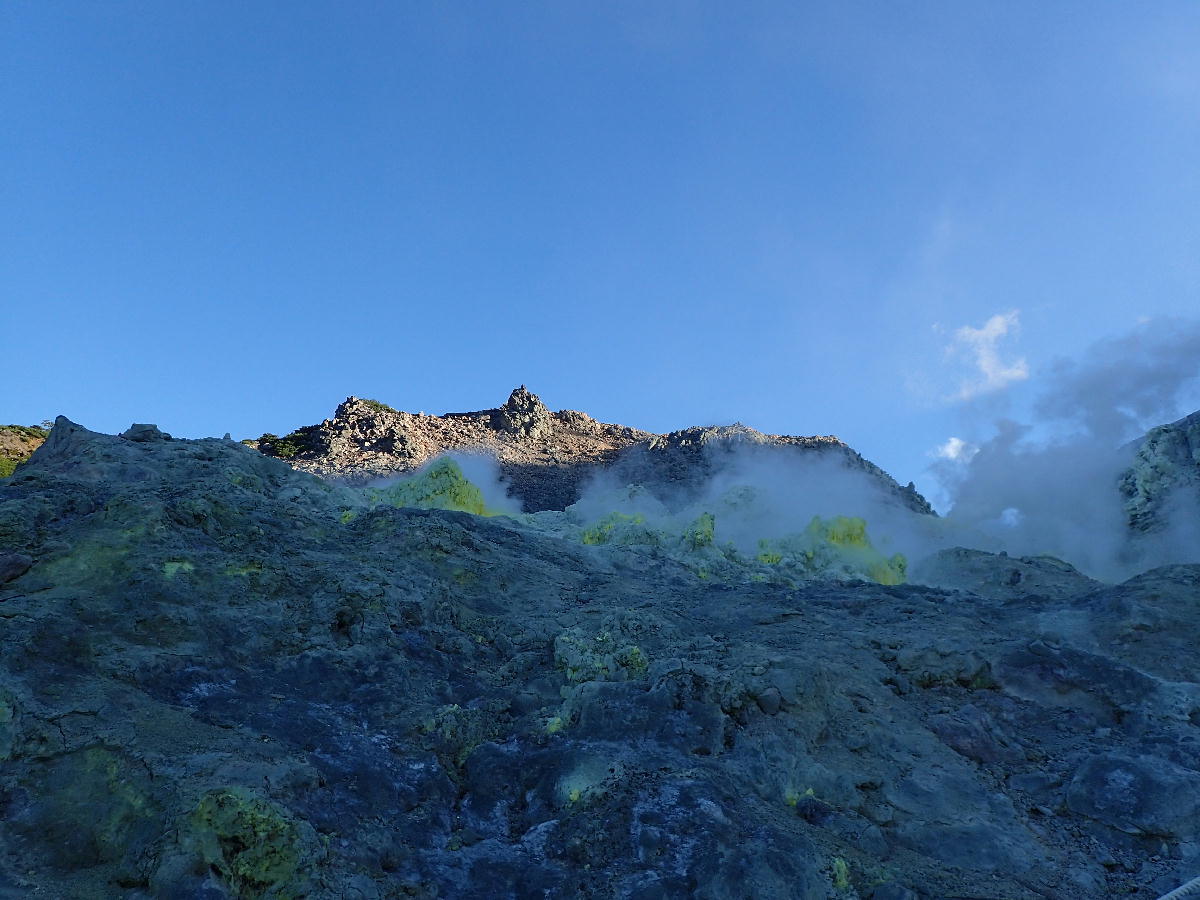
228, 216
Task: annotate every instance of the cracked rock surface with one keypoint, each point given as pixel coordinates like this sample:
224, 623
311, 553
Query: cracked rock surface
213, 684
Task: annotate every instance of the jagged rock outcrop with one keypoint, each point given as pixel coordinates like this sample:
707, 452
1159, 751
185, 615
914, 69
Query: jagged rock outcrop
546, 457
1165, 476
523, 415
221, 677
687, 459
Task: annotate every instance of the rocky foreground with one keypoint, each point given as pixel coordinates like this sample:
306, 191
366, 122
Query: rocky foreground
222, 677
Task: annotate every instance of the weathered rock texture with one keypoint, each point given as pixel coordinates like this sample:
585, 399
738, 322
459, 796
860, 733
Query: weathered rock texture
217, 682
1164, 479
545, 456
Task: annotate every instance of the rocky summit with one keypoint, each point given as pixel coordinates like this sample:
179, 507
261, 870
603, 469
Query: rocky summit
545, 457
225, 677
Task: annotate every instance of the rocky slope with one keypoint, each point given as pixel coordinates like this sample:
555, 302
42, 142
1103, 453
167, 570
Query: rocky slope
1165, 476
546, 457
17, 443
221, 677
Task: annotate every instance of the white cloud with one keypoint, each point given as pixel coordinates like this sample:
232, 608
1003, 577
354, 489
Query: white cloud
982, 345
956, 450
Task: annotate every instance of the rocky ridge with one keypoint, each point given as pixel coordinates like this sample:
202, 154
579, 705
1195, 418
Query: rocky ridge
221, 677
546, 457
1165, 474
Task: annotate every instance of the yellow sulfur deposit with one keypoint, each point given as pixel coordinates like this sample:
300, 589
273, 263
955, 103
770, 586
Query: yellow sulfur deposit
441, 486
849, 536
702, 532
617, 528
836, 545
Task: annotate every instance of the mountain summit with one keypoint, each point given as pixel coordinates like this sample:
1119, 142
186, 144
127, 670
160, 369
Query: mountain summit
545, 456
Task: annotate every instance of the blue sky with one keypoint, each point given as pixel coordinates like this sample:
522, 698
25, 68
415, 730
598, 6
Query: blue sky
226, 216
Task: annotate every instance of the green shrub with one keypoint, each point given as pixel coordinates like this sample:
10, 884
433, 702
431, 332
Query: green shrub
290, 445
377, 406
29, 431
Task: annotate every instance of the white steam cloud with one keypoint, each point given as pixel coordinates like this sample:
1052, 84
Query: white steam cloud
755, 492
1016, 491
1127, 384
955, 450
1059, 495
982, 347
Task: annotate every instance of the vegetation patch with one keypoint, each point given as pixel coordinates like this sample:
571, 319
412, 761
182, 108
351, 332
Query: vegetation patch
17, 443
377, 406
299, 442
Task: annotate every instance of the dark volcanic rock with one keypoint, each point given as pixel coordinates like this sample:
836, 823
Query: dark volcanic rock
13, 565
223, 677
1002, 576
1141, 795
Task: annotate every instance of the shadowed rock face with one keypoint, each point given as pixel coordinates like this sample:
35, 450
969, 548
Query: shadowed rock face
213, 683
1164, 474
546, 457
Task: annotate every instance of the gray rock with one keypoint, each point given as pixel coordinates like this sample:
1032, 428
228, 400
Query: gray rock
144, 433
1088, 683
1001, 576
1165, 474
973, 733
1138, 795
872, 842
13, 565
523, 415
1038, 783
